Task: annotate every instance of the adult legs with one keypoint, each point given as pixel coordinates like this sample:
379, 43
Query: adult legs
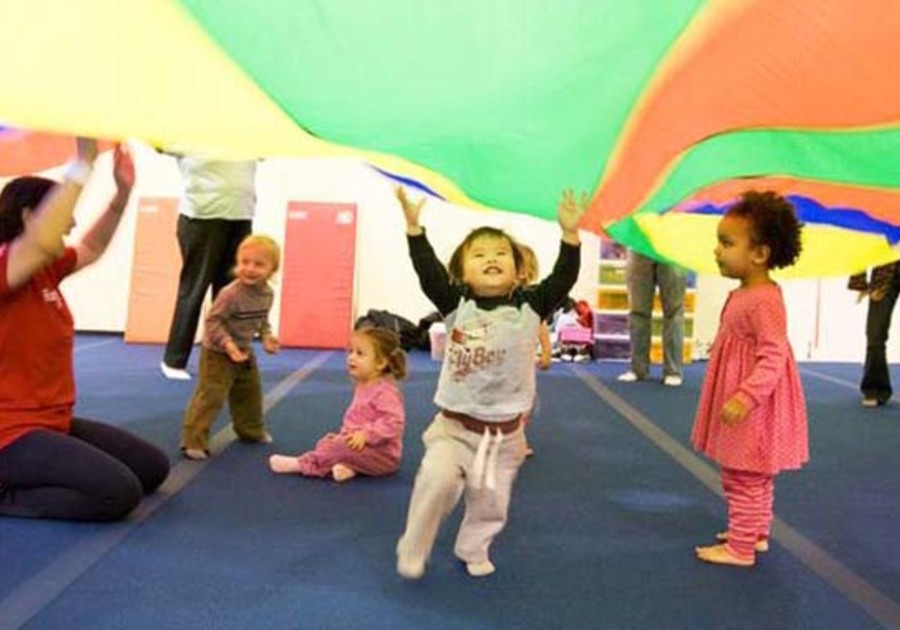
876, 379
148, 463
96, 473
205, 255
641, 287
672, 283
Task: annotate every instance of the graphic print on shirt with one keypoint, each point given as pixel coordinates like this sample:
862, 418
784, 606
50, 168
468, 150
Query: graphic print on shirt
469, 351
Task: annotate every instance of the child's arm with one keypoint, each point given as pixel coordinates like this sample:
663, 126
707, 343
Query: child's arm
433, 277
772, 351
546, 346
217, 329
270, 342
551, 292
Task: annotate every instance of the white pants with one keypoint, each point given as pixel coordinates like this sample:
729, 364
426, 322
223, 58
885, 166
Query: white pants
448, 469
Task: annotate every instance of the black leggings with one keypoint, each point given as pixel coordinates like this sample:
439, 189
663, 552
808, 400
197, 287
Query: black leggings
97, 472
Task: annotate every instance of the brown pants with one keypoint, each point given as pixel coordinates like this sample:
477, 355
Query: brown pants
219, 378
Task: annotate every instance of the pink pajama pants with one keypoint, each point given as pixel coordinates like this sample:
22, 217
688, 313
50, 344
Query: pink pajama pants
332, 449
749, 496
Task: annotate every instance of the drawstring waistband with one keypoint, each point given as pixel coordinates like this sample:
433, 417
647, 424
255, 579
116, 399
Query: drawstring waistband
484, 468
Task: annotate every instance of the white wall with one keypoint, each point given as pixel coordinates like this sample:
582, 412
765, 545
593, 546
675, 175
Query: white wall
825, 321
98, 297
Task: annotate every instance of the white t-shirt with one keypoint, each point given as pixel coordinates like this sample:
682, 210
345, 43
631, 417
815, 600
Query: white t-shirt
217, 189
488, 369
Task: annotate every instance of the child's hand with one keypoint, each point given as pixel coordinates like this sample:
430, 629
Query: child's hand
569, 214
733, 412
236, 354
356, 441
410, 210
545, 360
271, 344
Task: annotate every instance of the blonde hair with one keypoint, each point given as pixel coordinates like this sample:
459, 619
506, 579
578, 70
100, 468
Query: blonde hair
529, 271
387, 346
265, 243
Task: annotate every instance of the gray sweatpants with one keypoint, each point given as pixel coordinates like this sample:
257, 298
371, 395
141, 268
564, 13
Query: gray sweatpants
643, 275
448, 471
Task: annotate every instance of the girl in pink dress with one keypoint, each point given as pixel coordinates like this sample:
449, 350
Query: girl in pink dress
751, 418
370, 440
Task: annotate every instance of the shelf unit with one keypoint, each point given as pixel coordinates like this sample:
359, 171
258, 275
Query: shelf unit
611, 339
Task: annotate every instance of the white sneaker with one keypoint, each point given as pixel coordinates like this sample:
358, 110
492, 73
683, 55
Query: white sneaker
480, 569
673, 380
628, 377
175, 374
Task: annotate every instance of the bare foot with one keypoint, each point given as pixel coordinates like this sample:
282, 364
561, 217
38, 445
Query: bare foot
761, 546
720, 554
284, 464
340, 472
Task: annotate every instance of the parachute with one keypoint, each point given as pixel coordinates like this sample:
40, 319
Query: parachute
662, 112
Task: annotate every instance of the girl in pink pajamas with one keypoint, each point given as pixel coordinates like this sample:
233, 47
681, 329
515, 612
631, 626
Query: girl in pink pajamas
370, 441
751, 418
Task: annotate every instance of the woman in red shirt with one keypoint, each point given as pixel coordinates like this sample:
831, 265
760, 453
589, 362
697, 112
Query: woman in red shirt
51, 464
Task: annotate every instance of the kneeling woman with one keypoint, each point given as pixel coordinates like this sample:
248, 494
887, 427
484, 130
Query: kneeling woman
51, 464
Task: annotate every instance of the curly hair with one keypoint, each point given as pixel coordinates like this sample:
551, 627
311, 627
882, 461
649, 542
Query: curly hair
18, 194
773, 223
455, 266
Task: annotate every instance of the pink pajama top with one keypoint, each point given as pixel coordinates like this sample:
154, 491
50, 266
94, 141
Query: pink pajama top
752, 359
377, 410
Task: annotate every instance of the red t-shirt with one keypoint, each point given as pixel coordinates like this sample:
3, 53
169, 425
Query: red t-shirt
37, 385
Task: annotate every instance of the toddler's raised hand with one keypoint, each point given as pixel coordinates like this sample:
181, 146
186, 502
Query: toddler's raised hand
410, 210
569, 214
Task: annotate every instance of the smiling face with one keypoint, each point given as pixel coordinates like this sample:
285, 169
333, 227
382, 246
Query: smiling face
254, 265
364, 363
736, 254
489, 266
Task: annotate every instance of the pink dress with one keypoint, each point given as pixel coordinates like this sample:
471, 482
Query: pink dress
377, 410
751, 358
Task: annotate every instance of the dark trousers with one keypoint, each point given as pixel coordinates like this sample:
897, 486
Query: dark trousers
208, 248
97, 472
876, 380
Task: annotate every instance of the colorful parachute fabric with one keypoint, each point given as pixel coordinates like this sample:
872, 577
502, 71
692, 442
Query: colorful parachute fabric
657, 110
